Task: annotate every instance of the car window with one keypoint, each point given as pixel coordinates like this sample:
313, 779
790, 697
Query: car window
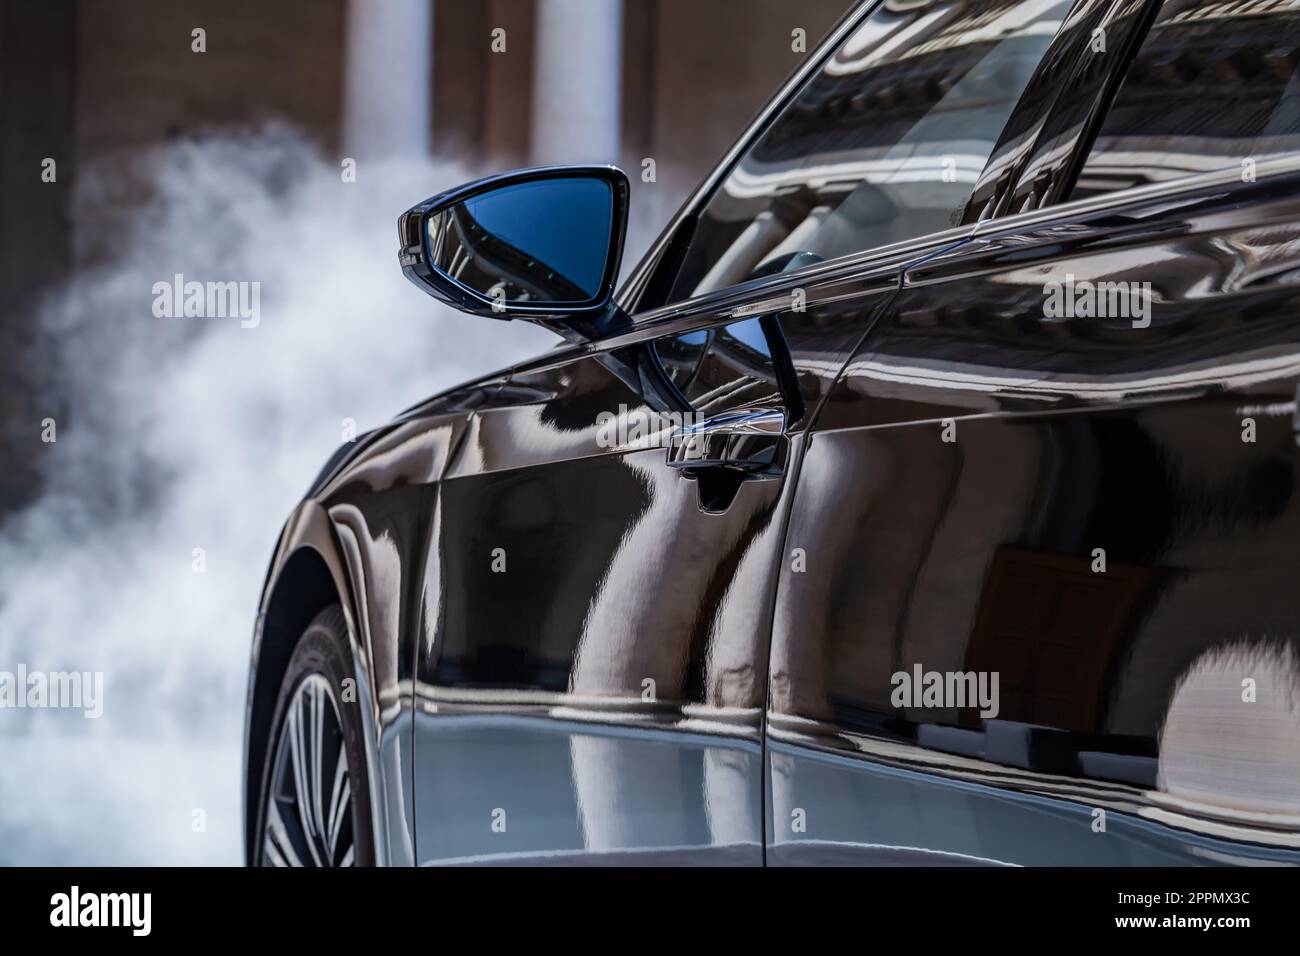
745, 364
884, 143
724, 368
1215, 85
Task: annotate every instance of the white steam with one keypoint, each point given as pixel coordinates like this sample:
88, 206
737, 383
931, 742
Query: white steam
184, 433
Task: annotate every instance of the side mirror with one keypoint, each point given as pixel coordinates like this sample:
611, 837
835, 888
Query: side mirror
541, 244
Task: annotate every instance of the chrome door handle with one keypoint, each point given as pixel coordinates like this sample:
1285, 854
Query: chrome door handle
751, 441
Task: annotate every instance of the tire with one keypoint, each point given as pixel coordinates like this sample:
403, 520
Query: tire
313, 731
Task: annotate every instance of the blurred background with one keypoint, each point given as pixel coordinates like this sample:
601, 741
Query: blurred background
147, 463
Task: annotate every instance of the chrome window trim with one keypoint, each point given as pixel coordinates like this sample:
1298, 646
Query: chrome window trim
818, 274
1170, 189
821, 284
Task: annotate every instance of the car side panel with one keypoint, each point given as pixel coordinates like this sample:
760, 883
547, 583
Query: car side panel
591, 684
1100, 509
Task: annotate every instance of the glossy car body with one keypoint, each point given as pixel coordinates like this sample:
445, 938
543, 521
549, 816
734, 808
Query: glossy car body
571, 651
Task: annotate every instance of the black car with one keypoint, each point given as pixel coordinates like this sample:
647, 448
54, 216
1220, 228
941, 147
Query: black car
927, 494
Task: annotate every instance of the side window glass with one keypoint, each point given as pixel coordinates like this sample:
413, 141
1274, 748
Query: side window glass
1214, 86
883, 144
742, 365
682, 356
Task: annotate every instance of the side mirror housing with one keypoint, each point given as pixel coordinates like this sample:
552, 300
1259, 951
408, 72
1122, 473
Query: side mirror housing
540, 244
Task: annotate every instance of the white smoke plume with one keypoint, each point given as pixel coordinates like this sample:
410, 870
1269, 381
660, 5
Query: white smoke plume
176, 434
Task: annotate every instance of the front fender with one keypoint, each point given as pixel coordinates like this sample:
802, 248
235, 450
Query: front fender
317, 563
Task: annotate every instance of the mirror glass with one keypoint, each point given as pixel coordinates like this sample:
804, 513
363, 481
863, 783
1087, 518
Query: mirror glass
536, 242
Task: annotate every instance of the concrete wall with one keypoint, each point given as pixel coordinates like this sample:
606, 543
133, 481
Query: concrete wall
37, 56
138, 82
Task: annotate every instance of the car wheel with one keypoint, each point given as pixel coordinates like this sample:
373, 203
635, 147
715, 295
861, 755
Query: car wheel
315, 807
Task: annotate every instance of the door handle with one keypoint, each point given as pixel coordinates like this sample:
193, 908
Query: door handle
750, 441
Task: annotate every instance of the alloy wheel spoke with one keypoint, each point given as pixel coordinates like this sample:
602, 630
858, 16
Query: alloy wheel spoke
340, 800
277, 841
310, 803
302, 771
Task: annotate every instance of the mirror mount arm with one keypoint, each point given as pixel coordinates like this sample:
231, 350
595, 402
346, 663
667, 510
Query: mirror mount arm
613, 321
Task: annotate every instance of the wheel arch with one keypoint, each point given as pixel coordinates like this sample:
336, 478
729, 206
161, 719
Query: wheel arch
306, 576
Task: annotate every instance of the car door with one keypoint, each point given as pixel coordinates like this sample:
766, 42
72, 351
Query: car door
591, 686
591, 678
1050, 614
